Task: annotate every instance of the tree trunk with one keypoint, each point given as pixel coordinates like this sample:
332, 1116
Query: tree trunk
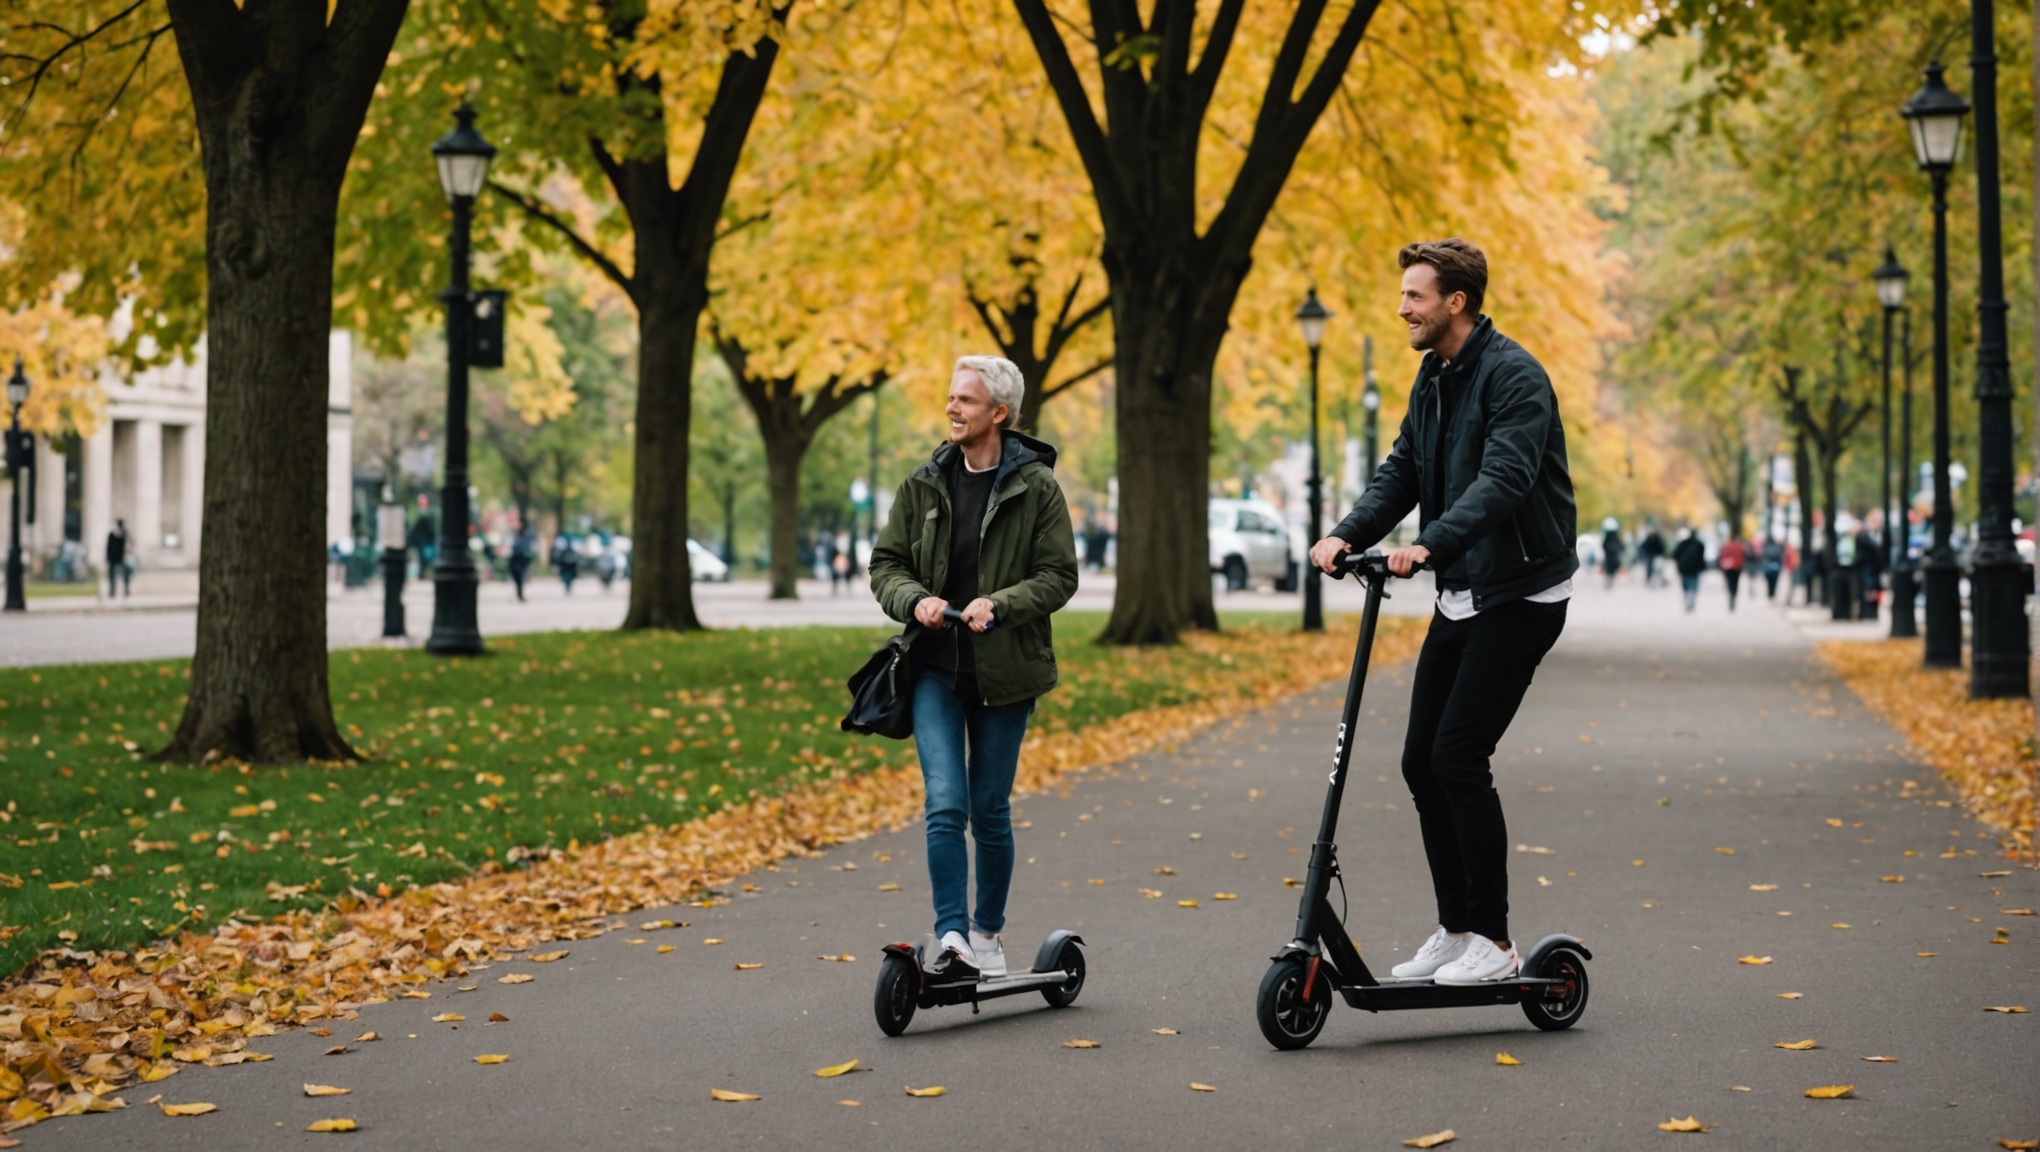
1802, 465
279, 93
783, 454
1830, 506
1162, 408
729, 521
661, 585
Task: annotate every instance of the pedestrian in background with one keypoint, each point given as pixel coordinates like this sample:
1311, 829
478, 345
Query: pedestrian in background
1689, 556
566, 561
1731, 559
522, 547
1773, 559
1611, 549
1650, 552
1870, 564
117, 572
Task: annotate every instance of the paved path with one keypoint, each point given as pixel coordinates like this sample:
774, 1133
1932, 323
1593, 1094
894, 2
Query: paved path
1652, 745
70, 630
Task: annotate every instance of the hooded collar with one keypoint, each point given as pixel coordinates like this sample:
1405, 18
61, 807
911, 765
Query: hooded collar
1469, 353
1018, 451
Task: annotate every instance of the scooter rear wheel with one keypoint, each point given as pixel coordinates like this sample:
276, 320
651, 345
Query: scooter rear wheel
1071, 961
893, 1003
1565, 964
1289, 1018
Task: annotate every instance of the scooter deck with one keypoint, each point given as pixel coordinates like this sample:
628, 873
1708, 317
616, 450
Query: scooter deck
1392, 995
933, 993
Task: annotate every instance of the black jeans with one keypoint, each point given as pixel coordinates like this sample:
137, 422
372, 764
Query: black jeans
1469, 681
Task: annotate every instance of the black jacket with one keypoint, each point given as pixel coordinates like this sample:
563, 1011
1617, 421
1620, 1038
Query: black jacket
1486, 468
1690, 555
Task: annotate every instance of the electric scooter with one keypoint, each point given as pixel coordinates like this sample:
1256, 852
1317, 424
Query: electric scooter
1296, 994
906, 984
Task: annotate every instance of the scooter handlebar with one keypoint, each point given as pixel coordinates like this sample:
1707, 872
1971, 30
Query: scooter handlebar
954, 616
1372, 562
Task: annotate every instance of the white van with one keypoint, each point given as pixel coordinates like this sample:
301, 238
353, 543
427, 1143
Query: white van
1250, 544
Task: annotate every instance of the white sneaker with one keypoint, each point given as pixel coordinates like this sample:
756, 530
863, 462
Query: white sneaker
1441, 949
990, 952
955, 963
1482, 961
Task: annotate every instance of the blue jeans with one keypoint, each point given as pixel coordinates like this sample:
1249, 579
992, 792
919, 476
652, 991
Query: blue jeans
976, 790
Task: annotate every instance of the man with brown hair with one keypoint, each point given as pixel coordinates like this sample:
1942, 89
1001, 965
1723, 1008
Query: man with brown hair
1481, 454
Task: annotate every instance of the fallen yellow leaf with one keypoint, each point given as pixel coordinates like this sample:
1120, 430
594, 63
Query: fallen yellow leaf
1763, 887
516, 978
1833, 823
1739, 1088
1841, 926
548, 957
1754, 960
1923, 954
851, 1103
1994, 875
2018, 1145
367, 1038
1830, 1092
1196, 1087
835, 1069
888, 887
1150, 894
161, 1070
325, 1090
1080, 1043
1726, 851
840, 958
1506, 1060
498, 1018
2015, 911
1892, 879
448, 1018
713, 940
2012, 1008
491, 1058
935, 1091
728, 1096
1433, 1140
1186, 903
664, 948
244, 811
1790, 995
331, 1126
1689, 1124
748, 967
187, 1109
1881, 1059
1805, 1045
1225, 896
1164, 1031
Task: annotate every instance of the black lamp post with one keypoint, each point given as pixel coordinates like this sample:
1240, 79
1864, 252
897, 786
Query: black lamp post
389, 522
463, 158
1999, 652
1311, 318
1890, 277
1934, 114
1370, 399
20, 459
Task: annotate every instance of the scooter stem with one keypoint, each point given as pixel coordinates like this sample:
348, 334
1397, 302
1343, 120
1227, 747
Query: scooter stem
1323, 853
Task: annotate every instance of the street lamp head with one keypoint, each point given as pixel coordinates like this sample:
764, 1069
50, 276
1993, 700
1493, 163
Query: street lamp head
1935, 115
1311, 318
1890, 278
463, 156
1370, 396
17, 385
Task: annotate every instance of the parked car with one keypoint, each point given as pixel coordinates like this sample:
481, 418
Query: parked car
703, 564
1250, 544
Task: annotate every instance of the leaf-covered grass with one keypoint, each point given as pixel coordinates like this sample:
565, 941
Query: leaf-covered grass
554, 738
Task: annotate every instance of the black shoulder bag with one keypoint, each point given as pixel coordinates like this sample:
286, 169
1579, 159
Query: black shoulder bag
882, 693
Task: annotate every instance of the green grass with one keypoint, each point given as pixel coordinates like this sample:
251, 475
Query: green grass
554, 738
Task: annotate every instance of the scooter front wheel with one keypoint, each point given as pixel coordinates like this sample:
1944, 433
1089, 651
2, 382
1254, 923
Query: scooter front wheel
1564, 1010
1290, 1012
899, 985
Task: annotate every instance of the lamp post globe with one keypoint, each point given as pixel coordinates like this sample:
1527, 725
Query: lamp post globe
1934, 118
1890, 278
463, 157
1311, 319
1370, 399
20, 458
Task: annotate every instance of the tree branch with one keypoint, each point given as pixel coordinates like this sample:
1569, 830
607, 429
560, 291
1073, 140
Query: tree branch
1093, 148
543, 215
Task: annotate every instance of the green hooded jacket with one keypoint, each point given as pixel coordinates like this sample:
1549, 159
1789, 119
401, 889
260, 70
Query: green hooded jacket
1027, 555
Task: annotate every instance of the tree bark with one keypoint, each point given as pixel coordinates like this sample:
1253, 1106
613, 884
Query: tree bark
1018, 331
1173, 288
1802, 464
279, 93
783, 455
661, 579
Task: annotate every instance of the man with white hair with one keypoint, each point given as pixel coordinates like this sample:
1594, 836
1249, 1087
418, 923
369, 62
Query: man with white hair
981, 524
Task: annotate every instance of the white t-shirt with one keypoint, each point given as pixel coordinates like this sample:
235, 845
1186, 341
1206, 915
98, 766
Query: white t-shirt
1458, 604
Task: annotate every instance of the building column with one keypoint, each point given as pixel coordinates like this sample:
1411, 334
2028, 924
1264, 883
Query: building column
98, 484
194, 490
46, 535
148, 526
